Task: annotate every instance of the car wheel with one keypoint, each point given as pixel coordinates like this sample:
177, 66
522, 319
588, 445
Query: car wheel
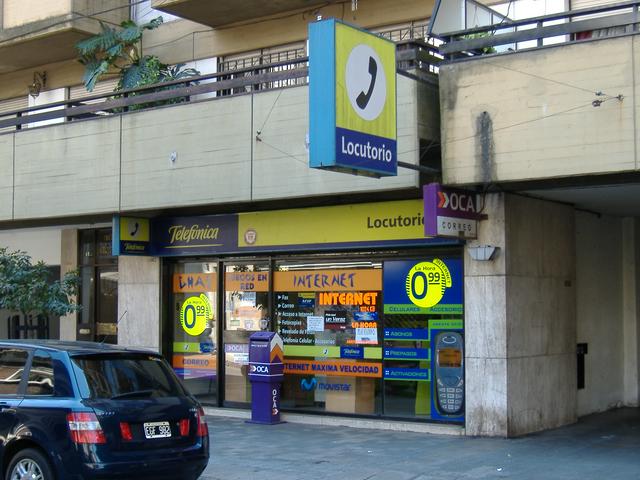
29, 464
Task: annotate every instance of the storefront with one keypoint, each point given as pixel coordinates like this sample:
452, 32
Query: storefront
370, 311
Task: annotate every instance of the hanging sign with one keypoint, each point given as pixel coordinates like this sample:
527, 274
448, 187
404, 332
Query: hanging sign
352, 100
131, 236
450, 212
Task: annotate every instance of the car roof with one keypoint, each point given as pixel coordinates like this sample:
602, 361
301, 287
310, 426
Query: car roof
73, 348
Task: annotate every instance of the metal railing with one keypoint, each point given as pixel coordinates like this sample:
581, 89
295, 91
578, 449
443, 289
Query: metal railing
415, 55
577, 25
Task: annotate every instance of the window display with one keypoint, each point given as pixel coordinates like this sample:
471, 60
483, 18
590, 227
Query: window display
379, 337
195, 333
328, 318
246, 310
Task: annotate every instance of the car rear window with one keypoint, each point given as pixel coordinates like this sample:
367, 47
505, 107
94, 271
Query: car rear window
120, 376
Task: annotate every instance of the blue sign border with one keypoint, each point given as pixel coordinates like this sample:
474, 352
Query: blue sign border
322, 93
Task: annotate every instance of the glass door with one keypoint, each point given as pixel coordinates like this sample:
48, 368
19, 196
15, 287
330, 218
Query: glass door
194, 293
246, 310
98, 319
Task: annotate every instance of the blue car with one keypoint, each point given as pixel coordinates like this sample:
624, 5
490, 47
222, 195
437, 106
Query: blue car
80, 411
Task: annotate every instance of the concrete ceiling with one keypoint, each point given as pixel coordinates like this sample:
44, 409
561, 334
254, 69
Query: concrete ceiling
619, 200
217, 13
53, 47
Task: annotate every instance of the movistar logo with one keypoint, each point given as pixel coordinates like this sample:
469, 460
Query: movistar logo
308, 385
313, 384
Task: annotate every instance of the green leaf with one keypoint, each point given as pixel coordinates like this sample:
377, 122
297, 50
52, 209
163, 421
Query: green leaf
130, 35
131, 32
155, 23
93, 72
176, 72
27, 288
130, 78
115, 51
103, 41
134, 76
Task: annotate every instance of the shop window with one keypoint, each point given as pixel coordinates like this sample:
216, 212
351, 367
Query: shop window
246, 310
329, 316
98, 287
194, 336
373, 338
363, 335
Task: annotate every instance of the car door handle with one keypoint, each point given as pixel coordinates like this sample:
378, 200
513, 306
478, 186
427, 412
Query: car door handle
5, 408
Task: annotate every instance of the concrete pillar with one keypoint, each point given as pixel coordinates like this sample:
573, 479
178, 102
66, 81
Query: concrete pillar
68, 262
486, 329
139, 302
541, 314
520, 319
631, 310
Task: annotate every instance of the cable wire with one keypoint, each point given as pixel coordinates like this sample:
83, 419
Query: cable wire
269, 114
304, 162
525, 122
540, 77
456, 140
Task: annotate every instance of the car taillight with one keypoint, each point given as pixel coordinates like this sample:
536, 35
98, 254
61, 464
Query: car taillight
184, 427
125, 431
85, 428
203, 429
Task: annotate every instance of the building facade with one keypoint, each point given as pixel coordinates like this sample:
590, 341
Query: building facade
238, 234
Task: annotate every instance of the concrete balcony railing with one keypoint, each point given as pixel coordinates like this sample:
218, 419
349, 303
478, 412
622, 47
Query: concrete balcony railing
563, 110
36, 32
152, 149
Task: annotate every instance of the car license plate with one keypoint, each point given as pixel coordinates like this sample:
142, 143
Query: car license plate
157, 429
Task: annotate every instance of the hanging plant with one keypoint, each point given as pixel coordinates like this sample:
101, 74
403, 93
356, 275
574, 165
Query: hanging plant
116, 51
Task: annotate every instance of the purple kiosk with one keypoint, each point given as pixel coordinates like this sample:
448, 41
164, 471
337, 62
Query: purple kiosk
265, 374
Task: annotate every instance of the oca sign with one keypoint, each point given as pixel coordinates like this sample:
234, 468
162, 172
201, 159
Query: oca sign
457, 201
449, 212
259, 369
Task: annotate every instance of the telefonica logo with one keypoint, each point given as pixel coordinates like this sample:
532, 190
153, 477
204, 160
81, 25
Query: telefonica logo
180, 233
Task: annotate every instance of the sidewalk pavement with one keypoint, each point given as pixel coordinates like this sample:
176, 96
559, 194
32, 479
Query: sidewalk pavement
598, 447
